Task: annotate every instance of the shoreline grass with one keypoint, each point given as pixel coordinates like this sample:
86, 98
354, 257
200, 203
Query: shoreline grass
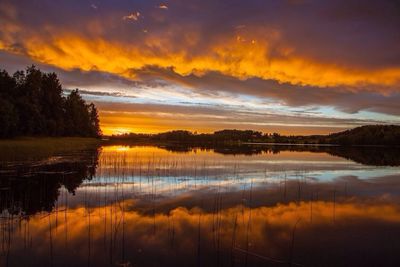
61, 142
39, 147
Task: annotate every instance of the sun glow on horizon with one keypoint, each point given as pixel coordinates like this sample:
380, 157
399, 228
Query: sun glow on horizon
109, 130
115, 130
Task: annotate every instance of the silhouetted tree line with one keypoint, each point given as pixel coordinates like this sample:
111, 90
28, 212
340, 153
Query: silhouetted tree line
181, 136
224, 137
32, 104
367, 135
364, 135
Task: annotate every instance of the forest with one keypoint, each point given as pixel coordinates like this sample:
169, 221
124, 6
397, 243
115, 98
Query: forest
388, 135
32, 103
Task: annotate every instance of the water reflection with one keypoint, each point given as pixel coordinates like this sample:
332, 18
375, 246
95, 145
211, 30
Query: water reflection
120, 234
149, 206
28, 188
378, 156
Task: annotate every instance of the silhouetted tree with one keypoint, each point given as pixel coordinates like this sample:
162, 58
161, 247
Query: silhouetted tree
94, 120
52, 104
77, 118
8, 114
32, 103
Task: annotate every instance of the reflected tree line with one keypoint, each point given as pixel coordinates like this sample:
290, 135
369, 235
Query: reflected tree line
32, 188
32, 104
377, 156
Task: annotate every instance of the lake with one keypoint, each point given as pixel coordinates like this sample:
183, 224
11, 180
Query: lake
251, 205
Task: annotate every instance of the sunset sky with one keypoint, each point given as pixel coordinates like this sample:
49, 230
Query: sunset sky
288, 66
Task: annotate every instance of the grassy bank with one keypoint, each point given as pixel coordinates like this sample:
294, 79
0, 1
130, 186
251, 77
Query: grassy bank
40, 147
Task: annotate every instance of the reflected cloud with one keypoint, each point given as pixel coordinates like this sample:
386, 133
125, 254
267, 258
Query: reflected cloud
263, 234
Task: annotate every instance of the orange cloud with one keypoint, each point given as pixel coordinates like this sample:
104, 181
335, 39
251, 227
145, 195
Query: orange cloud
240, 59
133, 16
162, 6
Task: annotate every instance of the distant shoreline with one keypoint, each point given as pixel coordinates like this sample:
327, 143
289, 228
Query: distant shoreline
319, 145
288, 144
364, 136
231, 144
370, 135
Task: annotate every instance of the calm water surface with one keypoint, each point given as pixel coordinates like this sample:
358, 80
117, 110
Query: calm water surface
166, 206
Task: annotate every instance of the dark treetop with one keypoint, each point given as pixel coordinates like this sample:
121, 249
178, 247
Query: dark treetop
32, 104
